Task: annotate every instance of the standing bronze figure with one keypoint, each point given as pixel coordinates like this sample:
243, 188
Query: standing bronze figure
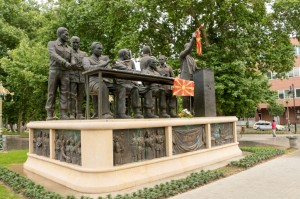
60, 64
167, 71
187, 66
76, 79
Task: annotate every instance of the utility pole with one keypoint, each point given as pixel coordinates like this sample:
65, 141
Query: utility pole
292, 89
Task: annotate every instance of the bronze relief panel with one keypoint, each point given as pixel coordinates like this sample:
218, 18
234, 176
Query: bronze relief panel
221, 134
135, 145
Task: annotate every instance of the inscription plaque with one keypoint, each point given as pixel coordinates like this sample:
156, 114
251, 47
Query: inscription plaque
188, 138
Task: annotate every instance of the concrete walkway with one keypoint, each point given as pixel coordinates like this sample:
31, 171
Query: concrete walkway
276, 179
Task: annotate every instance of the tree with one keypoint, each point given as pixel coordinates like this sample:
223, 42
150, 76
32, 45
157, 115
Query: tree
276, 109
26, 70
241, 42
286, 16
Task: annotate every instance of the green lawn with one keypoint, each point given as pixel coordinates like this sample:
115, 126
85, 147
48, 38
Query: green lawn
7, 194
13, 157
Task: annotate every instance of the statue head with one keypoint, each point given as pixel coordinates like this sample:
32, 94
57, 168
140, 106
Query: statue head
162, 59
75, 42
152, 63
146, 50
62, 34
96, 48
123, 54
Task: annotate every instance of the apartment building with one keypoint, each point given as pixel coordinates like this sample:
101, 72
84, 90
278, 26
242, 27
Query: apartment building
288, 92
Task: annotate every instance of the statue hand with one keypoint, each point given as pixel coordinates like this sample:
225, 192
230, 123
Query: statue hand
68, 65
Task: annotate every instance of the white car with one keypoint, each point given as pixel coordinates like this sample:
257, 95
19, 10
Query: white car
265, 125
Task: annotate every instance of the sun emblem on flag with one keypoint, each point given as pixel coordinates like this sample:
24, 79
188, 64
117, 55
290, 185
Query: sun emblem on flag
183, 87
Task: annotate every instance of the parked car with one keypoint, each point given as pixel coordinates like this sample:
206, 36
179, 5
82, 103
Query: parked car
280, 127
265, 125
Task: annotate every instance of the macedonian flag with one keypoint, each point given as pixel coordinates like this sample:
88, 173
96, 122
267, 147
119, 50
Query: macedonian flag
183, 87
198, 41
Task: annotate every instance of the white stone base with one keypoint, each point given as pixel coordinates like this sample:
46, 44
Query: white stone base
126, 176
98, 175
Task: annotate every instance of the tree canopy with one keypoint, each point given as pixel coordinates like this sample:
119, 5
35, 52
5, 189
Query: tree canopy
241, 41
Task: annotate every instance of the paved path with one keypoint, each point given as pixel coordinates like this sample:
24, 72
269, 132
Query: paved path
276, 179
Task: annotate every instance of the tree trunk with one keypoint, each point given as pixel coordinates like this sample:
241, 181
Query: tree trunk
11, 127
19, 122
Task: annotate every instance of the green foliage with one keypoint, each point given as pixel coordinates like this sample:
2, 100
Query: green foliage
241, 42
276, 109
25, 186
258, 155
26, 75
285, 16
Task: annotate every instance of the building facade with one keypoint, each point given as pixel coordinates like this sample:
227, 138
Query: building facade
288, 93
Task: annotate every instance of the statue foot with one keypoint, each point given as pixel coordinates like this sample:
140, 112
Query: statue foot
80, 117
164, 115
123, 116
49, 118
64, 117
150, 116
138, 116
107, 116
173, 114
72, 117
94, 116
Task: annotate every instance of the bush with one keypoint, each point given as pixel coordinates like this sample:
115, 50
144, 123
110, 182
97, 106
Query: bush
258, 155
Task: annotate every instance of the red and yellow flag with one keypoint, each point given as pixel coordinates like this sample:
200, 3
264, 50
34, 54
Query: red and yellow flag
198, 41
183, 87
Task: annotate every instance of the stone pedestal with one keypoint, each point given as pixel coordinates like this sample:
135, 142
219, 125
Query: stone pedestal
204, 96
109, 158
293, 140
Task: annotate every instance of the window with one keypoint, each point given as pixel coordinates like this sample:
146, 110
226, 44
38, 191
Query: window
287, 94
296, 71
269, 75
280, 94
297, 50
283, 94
297, 92
291, 73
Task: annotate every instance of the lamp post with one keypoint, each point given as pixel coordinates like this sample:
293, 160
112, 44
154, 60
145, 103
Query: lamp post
288, 115
292, 89
3, 93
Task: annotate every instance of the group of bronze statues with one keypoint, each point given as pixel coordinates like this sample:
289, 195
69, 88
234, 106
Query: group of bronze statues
68, 63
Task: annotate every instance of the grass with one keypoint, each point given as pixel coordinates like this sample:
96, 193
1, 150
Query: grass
23, 134
252, 131
13, 157
6, 159
6, 193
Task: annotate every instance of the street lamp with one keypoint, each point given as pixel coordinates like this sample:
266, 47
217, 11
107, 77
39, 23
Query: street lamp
292, 90
3, 93
288, 113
